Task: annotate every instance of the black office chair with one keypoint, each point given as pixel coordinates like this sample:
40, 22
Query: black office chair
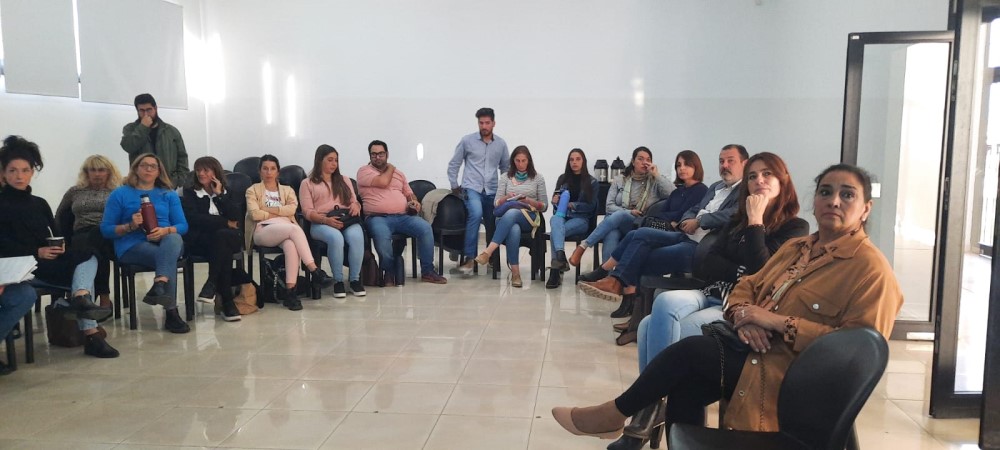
420, 188
249, 166
819, 399
449, 227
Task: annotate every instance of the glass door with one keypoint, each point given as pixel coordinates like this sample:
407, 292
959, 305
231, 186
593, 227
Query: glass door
895, 117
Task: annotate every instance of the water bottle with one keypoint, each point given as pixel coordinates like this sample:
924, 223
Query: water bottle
148, 212
563, 202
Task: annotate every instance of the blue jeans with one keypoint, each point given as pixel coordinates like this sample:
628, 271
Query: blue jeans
636, 257
382, 228
560, 227
15, 302
610, 231
83, 280
676, 315
334, 240
162, 258
509, 229
479, 209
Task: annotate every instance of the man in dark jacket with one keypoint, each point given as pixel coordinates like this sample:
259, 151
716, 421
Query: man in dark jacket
150, 134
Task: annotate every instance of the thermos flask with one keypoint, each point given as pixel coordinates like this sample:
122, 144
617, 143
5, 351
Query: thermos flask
148, 212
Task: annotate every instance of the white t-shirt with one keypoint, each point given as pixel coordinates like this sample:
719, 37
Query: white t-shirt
272, 199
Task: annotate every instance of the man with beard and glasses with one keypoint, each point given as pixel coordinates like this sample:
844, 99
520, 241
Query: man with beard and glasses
484, 155
150, 134
391, 207
620, 274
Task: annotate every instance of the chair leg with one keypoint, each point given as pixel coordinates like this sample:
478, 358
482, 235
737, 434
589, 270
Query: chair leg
413, 256
115, 275
441, 259
189, 290
29, 338
133, 319
11, 352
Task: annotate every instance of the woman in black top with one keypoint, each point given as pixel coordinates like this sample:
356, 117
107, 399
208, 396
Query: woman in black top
214, 214
26, 225
583, 191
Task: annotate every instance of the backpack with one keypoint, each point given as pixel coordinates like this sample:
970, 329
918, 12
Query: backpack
272, 280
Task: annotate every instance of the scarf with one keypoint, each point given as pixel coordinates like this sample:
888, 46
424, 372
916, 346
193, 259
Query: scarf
644, 187
521, 177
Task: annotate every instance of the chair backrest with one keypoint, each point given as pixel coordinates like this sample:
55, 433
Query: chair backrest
704, 246
237, 184
292, 176
250, 166
420, 188
450, 214
826, 386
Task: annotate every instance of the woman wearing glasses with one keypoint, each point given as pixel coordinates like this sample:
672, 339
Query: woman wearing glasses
161, 246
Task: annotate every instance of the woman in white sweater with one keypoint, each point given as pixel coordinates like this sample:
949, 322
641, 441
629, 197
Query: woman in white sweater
522, 192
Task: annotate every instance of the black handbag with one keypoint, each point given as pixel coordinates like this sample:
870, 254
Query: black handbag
726, 335
344, 216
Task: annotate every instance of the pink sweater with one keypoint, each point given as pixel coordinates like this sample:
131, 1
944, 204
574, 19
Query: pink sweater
316, 199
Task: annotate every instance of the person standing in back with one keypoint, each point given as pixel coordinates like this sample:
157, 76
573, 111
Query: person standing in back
150, 134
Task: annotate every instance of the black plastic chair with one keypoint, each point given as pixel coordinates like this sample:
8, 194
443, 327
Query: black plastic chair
420, 188
28, 334
449, 227
127, 273
577, 239
249, 166
821, 395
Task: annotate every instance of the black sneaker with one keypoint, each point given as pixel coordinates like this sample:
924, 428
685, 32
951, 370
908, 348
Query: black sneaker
338, 290
595, 275
173, 322
97, 346
207, 294
554, 280
83, 307
5, 369
321, 278
358, 288
229, 312
157, 294
291, 300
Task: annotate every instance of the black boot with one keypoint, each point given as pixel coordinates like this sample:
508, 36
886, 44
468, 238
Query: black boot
173, 322
555, 279
96, 346
646, 425
291, 300
559, 261
625, 308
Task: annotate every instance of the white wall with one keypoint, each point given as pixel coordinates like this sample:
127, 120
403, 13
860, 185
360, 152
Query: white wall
560, 74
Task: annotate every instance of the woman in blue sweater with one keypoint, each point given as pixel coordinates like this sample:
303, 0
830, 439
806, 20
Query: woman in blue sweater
162, 246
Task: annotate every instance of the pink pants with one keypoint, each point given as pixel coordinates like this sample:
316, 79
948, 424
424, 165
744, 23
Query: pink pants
279, 232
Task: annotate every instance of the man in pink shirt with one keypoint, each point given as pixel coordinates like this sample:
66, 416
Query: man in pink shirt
391, 207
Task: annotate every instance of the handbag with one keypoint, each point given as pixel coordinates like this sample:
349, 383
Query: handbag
656, 223
725, 334
344, 216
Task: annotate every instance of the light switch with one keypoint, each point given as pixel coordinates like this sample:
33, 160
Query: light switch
876, 190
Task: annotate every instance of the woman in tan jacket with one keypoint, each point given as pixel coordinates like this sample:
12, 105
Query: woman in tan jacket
835, 278
271, 223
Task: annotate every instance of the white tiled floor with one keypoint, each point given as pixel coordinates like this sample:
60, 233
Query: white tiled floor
473, 364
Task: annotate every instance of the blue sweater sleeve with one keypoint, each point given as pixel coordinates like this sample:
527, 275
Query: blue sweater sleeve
113, 213
175, 216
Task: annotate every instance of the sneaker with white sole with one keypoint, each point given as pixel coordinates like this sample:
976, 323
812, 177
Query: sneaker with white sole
358, 288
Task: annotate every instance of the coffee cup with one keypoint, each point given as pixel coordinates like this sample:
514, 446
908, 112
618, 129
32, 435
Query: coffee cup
55, 241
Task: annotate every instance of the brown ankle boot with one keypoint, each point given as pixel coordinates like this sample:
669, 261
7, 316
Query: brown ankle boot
574, 259
608, 288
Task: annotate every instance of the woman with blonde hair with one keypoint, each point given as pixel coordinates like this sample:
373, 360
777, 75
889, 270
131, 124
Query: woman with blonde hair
162, 245
80, 212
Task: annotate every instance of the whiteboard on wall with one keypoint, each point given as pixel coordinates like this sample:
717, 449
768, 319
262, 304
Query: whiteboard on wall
39, 47
129, 47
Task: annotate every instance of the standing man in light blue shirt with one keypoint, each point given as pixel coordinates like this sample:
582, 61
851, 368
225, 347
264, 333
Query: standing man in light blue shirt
484, 155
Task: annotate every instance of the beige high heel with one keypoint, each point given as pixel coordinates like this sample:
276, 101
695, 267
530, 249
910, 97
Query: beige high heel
564, 415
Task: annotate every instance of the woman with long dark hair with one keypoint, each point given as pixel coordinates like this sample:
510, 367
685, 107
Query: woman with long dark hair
326, 191
213, 214
640, 185
582, 190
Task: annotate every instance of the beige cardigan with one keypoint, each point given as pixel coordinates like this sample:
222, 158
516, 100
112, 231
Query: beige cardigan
255, 198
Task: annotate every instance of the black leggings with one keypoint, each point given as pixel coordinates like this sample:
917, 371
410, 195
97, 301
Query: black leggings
686, 373
219, 247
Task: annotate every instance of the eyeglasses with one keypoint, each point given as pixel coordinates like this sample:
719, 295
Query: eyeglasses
376, 155
147, 166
